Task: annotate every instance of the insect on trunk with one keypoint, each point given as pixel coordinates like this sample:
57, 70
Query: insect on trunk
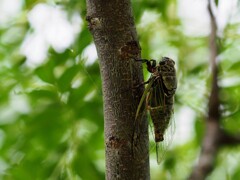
159, 95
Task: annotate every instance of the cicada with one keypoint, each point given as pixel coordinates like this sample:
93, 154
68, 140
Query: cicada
159, 95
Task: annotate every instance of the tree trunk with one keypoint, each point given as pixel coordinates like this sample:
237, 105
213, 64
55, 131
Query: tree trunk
112, 26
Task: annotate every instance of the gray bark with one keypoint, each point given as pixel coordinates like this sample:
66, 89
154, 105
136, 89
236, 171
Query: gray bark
112, 26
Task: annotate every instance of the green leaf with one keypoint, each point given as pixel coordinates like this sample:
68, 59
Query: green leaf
83, 40
43, 93
64, 82
45, 73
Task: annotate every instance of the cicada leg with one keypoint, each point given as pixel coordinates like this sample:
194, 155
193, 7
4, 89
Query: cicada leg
141, 84
151, 64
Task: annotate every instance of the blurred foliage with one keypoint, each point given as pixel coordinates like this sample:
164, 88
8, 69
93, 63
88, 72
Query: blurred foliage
51, 123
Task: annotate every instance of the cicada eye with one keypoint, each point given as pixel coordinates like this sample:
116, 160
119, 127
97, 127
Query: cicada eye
162, 62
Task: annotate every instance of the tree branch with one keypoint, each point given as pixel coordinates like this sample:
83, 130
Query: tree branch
211, 140
214, 137
227, 139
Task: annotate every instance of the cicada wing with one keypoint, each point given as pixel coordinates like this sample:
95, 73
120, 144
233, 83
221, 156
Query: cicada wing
141, 111
163, 146
143, 98
161, 111
152, 142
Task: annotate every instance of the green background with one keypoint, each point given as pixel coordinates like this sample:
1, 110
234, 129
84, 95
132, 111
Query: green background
50, 129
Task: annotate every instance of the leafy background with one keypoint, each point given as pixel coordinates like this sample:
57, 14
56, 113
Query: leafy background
51, 114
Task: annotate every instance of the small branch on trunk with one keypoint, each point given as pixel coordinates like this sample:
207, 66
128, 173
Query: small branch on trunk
227, 139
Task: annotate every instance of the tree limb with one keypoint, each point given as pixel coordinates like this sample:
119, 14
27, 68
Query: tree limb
214, 137
211, 141
227, 139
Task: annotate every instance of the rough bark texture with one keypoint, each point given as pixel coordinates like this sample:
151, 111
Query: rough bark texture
112, 26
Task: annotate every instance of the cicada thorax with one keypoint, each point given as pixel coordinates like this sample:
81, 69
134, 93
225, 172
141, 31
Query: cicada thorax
167, 72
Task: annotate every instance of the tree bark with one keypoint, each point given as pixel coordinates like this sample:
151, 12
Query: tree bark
112, 26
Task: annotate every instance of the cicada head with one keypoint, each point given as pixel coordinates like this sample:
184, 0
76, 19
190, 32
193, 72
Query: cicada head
167, 65
168, 72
